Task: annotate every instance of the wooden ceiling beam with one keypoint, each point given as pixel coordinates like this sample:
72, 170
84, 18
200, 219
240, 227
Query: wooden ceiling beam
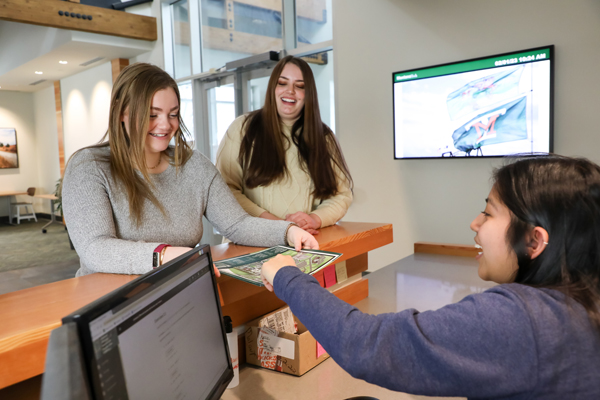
79, 17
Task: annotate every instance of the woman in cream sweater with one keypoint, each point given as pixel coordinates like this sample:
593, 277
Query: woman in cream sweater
282, 161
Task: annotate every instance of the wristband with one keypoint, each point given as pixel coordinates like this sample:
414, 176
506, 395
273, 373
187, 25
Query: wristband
158, 255
285, 238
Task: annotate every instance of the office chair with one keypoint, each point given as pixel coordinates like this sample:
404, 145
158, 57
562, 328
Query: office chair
18, 216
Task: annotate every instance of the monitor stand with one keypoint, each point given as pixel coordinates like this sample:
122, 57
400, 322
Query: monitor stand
64, 373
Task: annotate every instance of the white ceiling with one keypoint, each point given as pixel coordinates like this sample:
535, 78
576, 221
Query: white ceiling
26, 48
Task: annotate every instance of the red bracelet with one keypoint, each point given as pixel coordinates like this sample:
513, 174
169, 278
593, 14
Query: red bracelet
158, 254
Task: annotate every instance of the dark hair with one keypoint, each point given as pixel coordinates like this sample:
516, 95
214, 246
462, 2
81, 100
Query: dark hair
561, 195
262, 152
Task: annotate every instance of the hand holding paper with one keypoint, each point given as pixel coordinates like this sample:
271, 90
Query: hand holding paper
300, 239
270, 268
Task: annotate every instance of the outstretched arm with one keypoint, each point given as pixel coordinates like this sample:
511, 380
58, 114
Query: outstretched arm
234, 223
464, 349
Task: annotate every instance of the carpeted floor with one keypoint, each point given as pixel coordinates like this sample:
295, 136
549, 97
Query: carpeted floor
30, 258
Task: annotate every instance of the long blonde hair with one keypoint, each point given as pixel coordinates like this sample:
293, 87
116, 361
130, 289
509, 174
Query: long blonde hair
132, 93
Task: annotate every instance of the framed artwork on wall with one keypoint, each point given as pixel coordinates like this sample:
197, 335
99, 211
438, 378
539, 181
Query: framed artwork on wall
9, 155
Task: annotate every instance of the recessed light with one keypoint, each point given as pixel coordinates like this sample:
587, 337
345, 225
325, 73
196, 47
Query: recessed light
39, 72
62, 62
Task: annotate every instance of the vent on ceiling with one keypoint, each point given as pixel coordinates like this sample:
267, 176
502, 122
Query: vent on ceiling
85, 64
37, 82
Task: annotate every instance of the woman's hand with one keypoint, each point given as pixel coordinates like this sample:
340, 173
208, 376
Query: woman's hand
308, 222
300, 239
270, 268
172, 252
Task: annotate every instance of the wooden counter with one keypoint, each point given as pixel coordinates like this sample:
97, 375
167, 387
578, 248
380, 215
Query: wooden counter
27, 316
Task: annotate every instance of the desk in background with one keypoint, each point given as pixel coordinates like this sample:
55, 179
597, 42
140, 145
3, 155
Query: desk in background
7, 195
29, 315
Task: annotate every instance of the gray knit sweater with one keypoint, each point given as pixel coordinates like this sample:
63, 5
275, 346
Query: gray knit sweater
96, 211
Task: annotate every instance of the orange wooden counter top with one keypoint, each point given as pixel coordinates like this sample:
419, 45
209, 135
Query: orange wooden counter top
28, 316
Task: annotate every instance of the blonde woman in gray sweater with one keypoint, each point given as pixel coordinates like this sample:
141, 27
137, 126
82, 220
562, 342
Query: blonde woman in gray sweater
133, 201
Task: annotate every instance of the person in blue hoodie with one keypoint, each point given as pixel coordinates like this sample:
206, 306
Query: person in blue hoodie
534, 336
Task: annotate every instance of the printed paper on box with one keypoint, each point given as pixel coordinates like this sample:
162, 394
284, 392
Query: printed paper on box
272, 345
281, 321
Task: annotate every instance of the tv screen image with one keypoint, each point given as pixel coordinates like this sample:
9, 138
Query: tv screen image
487, 107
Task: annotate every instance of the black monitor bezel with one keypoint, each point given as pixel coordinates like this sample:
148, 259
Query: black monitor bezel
139, 286
551, 113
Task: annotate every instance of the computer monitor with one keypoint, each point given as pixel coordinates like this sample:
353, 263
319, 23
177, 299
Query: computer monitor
160, 336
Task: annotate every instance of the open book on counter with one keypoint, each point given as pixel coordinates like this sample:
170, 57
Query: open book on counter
247, 267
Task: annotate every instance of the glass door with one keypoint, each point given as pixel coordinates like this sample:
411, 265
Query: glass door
221, 104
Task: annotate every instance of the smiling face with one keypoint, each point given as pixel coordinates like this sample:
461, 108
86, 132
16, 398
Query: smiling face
497, 260
164, 121
289, 93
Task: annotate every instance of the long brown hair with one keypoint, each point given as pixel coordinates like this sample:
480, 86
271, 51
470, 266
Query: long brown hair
262, 152
133, 92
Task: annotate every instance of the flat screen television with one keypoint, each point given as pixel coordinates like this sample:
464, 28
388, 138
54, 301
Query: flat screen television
485, 107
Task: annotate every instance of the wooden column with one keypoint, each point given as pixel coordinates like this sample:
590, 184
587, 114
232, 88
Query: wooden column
59, 125
118, 64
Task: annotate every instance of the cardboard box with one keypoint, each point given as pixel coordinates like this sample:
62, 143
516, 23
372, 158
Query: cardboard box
293, 354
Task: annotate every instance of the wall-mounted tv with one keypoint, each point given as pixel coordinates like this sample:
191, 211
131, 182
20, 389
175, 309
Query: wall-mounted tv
486, 107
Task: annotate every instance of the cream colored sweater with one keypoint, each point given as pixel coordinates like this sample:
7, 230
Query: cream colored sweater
290, 195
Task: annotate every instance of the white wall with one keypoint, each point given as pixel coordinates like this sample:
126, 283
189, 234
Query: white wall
85, 103
16, 111
156, 56
46, 134
435, 200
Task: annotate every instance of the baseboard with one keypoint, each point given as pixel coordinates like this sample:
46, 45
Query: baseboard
446, 249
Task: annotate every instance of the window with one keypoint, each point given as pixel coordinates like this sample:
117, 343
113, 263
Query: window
233, 30
313, 21
186, 108
181, 38
221, 102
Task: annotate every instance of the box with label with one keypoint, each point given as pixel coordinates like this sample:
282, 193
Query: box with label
291, 353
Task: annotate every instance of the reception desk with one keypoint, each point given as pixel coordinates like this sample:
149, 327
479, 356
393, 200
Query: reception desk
28, 316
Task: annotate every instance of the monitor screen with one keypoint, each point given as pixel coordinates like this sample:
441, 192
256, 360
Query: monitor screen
487, 107
159, 337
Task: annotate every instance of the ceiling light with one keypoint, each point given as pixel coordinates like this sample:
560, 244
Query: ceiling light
62, 62
39, 72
